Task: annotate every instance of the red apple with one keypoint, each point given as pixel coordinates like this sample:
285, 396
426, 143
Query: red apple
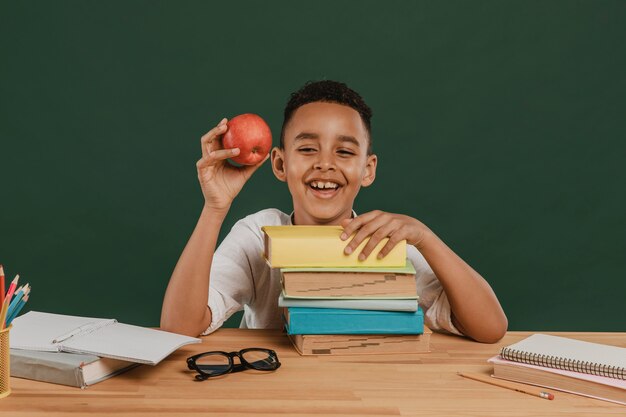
251, 135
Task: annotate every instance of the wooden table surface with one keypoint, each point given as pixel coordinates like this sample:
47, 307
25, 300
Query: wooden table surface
373, 385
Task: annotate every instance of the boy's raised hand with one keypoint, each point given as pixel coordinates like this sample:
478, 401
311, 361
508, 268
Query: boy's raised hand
379, 225
219, 180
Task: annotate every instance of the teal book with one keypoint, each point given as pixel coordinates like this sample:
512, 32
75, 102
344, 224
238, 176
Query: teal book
303, 320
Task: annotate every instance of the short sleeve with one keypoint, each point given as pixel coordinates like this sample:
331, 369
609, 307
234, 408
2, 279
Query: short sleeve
231, 282
222, 307
433, 299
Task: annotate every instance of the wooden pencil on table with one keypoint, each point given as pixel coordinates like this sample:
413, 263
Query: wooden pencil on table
537, 392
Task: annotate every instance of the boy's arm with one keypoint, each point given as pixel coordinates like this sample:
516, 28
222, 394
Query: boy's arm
185, 305
476, 311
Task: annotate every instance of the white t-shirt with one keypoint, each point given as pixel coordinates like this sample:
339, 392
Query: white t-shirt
241, 279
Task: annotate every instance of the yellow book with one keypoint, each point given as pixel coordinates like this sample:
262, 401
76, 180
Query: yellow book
321, 246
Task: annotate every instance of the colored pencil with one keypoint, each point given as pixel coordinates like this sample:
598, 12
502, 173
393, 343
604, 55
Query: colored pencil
2, 284
16, 299
7, 301
526, 389
12, 286
19, 308
16, 294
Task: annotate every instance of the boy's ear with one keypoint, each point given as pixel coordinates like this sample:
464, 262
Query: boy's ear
370, 171
278, 164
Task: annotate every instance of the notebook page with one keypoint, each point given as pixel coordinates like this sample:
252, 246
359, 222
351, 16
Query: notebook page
36, 331
127, 342
548, 345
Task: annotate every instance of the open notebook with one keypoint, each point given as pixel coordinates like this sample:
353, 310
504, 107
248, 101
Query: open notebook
102, 337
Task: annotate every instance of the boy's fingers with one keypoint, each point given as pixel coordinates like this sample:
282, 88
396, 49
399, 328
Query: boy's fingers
223, 153
203, 162
352, 225
380, 234
210, 140
366, 230
391, 243
355, 223
345, 222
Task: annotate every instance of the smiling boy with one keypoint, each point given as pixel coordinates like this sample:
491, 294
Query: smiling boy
325, 156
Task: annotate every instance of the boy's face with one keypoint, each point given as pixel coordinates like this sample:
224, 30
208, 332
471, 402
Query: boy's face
325, 162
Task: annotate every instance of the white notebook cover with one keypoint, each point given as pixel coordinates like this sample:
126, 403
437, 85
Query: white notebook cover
544, 345
102, 337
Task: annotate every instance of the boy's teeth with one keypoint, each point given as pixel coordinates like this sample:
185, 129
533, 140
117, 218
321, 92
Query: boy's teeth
320, 184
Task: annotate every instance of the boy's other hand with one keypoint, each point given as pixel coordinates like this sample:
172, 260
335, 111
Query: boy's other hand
379, 225
220, 181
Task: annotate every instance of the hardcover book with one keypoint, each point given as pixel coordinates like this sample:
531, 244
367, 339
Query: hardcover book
341, 344
73, 369
302, 320
350, 282
321, 246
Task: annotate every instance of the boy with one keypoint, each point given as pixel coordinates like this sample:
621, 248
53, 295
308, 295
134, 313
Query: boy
325, 157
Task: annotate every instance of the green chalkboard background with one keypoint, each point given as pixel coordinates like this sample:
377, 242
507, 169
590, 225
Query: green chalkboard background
501, 125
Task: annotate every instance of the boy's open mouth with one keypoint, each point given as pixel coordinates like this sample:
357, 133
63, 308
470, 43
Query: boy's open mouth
324, 189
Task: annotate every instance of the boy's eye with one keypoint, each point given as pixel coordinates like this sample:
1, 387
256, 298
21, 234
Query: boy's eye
306, 149
345, 152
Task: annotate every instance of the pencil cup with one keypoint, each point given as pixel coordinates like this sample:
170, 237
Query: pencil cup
5, 363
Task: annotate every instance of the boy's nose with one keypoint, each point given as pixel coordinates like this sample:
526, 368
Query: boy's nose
324, 163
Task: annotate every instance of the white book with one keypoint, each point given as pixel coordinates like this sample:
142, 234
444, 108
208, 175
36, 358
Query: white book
101, 337
73, 369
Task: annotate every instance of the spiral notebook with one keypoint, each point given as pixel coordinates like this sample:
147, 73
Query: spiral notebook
569, 355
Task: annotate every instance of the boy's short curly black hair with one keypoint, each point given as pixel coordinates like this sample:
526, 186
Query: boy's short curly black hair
330, 92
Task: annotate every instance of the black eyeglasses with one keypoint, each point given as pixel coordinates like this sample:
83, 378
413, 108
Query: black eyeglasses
216, 363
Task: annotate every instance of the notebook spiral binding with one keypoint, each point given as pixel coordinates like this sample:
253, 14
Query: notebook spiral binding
558, 362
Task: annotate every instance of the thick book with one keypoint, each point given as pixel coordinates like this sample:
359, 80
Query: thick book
569, 354
73, 369
321, 246
350, 282
372, 344
600, 387
350, 304
302, 320
100, 337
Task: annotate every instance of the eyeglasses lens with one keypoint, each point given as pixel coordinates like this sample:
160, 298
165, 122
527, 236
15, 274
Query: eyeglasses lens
259, 359
213, 364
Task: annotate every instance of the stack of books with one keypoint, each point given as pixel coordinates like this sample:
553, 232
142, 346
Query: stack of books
569, 365
335, 304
